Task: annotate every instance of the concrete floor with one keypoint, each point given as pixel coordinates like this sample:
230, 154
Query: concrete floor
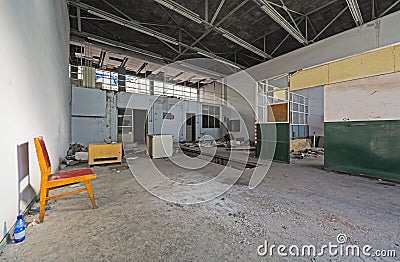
294, 205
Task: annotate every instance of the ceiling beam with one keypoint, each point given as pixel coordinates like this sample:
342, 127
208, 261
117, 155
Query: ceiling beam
116, 9
124, 22
140, 53
217, 11
78, 17
297, 19
355, 12
284, 7
123, 63
389, 8
196, 18
206, 10
330, 23
138, 27
278, 18
211, 29
280, 43
102, 57
143, 66
290, 15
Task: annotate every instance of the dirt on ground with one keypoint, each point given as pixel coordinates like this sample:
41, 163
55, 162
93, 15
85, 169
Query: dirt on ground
297, 204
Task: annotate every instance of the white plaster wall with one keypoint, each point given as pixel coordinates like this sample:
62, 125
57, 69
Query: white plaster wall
34, 88
241, 95
368, 99
375, 34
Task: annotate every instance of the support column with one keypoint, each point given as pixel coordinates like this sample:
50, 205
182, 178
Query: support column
151, 87
121, 79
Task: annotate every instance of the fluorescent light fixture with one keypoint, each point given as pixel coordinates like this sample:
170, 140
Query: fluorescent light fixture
205, 54
196, 18
106, 17
180, 10
199, 70
123, 46
277, 17
242, 43
217, 58
134, 26
355, 11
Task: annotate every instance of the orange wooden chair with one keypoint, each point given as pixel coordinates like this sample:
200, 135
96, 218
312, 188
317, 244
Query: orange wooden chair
51, 181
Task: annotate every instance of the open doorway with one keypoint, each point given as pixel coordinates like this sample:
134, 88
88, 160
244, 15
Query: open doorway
307, 126
190, 127
132, 125
139, 126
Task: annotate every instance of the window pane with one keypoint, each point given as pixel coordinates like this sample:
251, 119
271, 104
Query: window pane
211, 122
205, 121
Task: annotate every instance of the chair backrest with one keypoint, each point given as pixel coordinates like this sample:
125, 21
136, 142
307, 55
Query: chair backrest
43, 158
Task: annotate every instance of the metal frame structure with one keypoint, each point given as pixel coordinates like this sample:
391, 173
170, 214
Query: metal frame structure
297, 23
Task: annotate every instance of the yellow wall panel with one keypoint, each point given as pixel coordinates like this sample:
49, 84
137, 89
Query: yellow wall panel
360, 66
397, 58
377, 62
315, 76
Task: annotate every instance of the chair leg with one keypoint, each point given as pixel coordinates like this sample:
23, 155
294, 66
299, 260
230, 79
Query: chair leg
47, 194
90, 192
43, 193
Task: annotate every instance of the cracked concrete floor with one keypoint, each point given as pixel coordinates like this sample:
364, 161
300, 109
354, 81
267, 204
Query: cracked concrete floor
294, 205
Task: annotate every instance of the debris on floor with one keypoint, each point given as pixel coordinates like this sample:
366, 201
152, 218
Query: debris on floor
299, 145
308, 153
118, 168
76, 154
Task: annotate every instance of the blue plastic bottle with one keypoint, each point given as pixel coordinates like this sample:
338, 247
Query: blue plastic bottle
19, 230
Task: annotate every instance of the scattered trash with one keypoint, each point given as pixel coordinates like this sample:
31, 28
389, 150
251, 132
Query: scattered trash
308, 153
36, 210
31, 224
118, 169
82, 156
68, 162
207, 141
73, 162
75, 154
75, 148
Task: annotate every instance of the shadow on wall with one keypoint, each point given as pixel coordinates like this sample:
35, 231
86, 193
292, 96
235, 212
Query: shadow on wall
25, 190
5, 229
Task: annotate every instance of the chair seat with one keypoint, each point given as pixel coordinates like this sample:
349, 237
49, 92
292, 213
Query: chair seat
71, 174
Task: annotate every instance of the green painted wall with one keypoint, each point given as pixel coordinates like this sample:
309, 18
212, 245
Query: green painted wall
267, 142
369, 148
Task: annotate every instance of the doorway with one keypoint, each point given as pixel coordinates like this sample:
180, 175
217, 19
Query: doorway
190, 127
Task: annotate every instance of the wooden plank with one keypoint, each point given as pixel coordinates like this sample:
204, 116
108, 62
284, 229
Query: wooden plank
66, 194
105, 153
277, 113
369, 64
316, 76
